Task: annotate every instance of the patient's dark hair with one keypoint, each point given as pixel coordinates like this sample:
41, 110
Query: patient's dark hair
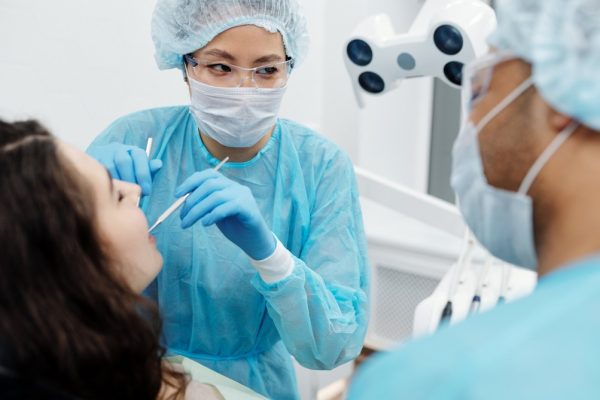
67, 322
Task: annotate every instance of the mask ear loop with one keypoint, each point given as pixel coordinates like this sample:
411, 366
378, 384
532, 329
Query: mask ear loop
516, 93
542, 160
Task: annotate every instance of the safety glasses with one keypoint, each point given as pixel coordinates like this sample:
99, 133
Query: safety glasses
477, 77
223, 74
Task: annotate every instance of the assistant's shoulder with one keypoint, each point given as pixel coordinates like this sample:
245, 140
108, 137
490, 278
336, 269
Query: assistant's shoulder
313, 146
434, 367
410, 372
137, 126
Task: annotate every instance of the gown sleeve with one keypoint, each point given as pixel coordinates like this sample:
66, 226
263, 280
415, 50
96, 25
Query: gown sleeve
321, 308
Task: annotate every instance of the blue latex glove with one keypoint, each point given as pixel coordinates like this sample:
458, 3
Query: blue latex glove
215, 199
128, 163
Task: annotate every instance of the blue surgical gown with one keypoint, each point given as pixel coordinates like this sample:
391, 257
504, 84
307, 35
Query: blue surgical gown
545, 346
216, 309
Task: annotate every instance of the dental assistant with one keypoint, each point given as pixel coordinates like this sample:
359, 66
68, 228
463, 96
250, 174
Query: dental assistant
268, 256
525, 170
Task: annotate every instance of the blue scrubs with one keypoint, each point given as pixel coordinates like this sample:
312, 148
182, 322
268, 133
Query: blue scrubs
216, 308
545, 346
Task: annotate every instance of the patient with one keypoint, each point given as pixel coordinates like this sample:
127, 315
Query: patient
75, 255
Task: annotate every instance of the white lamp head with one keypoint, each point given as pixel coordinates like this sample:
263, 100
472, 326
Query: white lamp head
445, 36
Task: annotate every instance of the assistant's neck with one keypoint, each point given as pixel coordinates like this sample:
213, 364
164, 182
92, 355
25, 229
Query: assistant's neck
566, 213
235, 154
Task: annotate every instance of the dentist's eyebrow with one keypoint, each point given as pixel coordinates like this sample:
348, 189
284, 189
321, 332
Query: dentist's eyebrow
219, 53
268, 58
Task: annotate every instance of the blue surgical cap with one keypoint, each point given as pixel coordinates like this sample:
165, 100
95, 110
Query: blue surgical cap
181, 27
561, 40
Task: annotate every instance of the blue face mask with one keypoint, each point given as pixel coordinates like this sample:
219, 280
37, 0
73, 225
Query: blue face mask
501, 220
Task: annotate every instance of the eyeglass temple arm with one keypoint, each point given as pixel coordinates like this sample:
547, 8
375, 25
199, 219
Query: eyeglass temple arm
190, 60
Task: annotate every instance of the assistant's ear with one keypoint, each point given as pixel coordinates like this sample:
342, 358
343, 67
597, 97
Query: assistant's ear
557, 120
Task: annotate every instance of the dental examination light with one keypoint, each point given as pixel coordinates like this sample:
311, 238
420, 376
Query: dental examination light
445, 36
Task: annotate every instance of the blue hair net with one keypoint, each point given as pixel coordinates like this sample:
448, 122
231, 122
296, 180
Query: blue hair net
180, 27
561, 39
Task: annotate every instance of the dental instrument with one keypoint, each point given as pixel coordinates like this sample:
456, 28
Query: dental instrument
148, 149
179, 202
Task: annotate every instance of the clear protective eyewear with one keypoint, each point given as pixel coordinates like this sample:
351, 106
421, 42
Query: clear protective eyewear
477, 77
222, 74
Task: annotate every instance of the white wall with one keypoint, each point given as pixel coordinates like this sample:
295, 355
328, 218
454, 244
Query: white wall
79, 64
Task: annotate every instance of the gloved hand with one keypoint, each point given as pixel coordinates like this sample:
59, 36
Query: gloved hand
217, 199
127, 163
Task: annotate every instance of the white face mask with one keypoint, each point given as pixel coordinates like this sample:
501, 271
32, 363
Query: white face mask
500, 219
235, 117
